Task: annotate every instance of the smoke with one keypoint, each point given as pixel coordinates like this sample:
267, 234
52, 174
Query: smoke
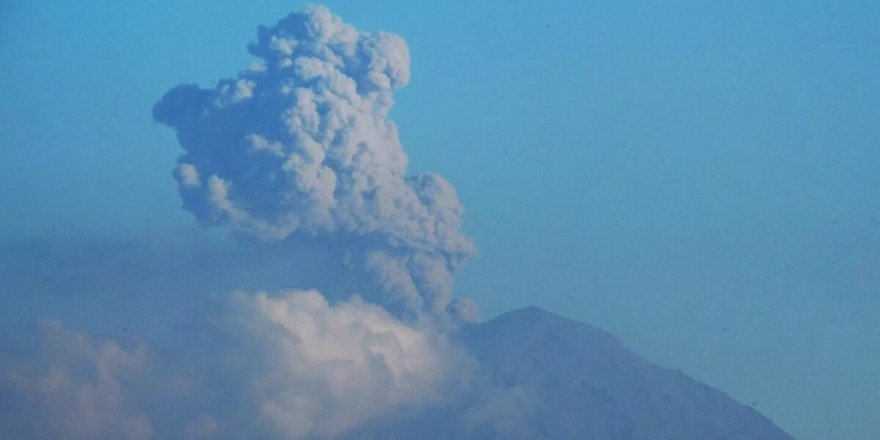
296, 151
300, 147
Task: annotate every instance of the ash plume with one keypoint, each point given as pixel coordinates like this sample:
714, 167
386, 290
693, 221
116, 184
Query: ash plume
296, 151
300, 147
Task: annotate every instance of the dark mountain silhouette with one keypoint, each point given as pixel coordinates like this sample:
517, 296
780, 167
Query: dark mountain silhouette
542, 376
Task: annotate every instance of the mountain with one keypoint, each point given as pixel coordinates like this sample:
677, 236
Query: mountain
589, 386
542, 376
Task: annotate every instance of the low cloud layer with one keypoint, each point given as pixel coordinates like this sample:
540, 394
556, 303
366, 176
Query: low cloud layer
286, 366
74, 387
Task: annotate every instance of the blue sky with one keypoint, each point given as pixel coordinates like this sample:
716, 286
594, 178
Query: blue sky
699, 179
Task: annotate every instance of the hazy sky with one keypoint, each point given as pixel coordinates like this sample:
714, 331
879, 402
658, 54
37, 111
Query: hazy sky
699, 179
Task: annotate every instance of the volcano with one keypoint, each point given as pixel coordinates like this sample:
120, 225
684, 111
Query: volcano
543, 376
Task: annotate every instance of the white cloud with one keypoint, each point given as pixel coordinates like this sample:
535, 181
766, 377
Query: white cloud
284, 366
74, 388
317, 370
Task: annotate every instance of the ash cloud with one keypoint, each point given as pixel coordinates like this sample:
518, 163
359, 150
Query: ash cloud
300, 147
297, 157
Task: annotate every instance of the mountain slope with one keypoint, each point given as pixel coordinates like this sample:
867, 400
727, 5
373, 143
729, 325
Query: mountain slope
588, 385
542, 376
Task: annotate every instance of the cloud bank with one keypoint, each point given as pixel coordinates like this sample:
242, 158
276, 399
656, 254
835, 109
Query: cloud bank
283, 366
74, 387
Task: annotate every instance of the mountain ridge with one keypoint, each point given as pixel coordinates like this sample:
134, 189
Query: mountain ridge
539, 375
571, 366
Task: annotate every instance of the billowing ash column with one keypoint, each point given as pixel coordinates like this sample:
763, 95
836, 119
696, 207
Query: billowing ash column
300, 147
